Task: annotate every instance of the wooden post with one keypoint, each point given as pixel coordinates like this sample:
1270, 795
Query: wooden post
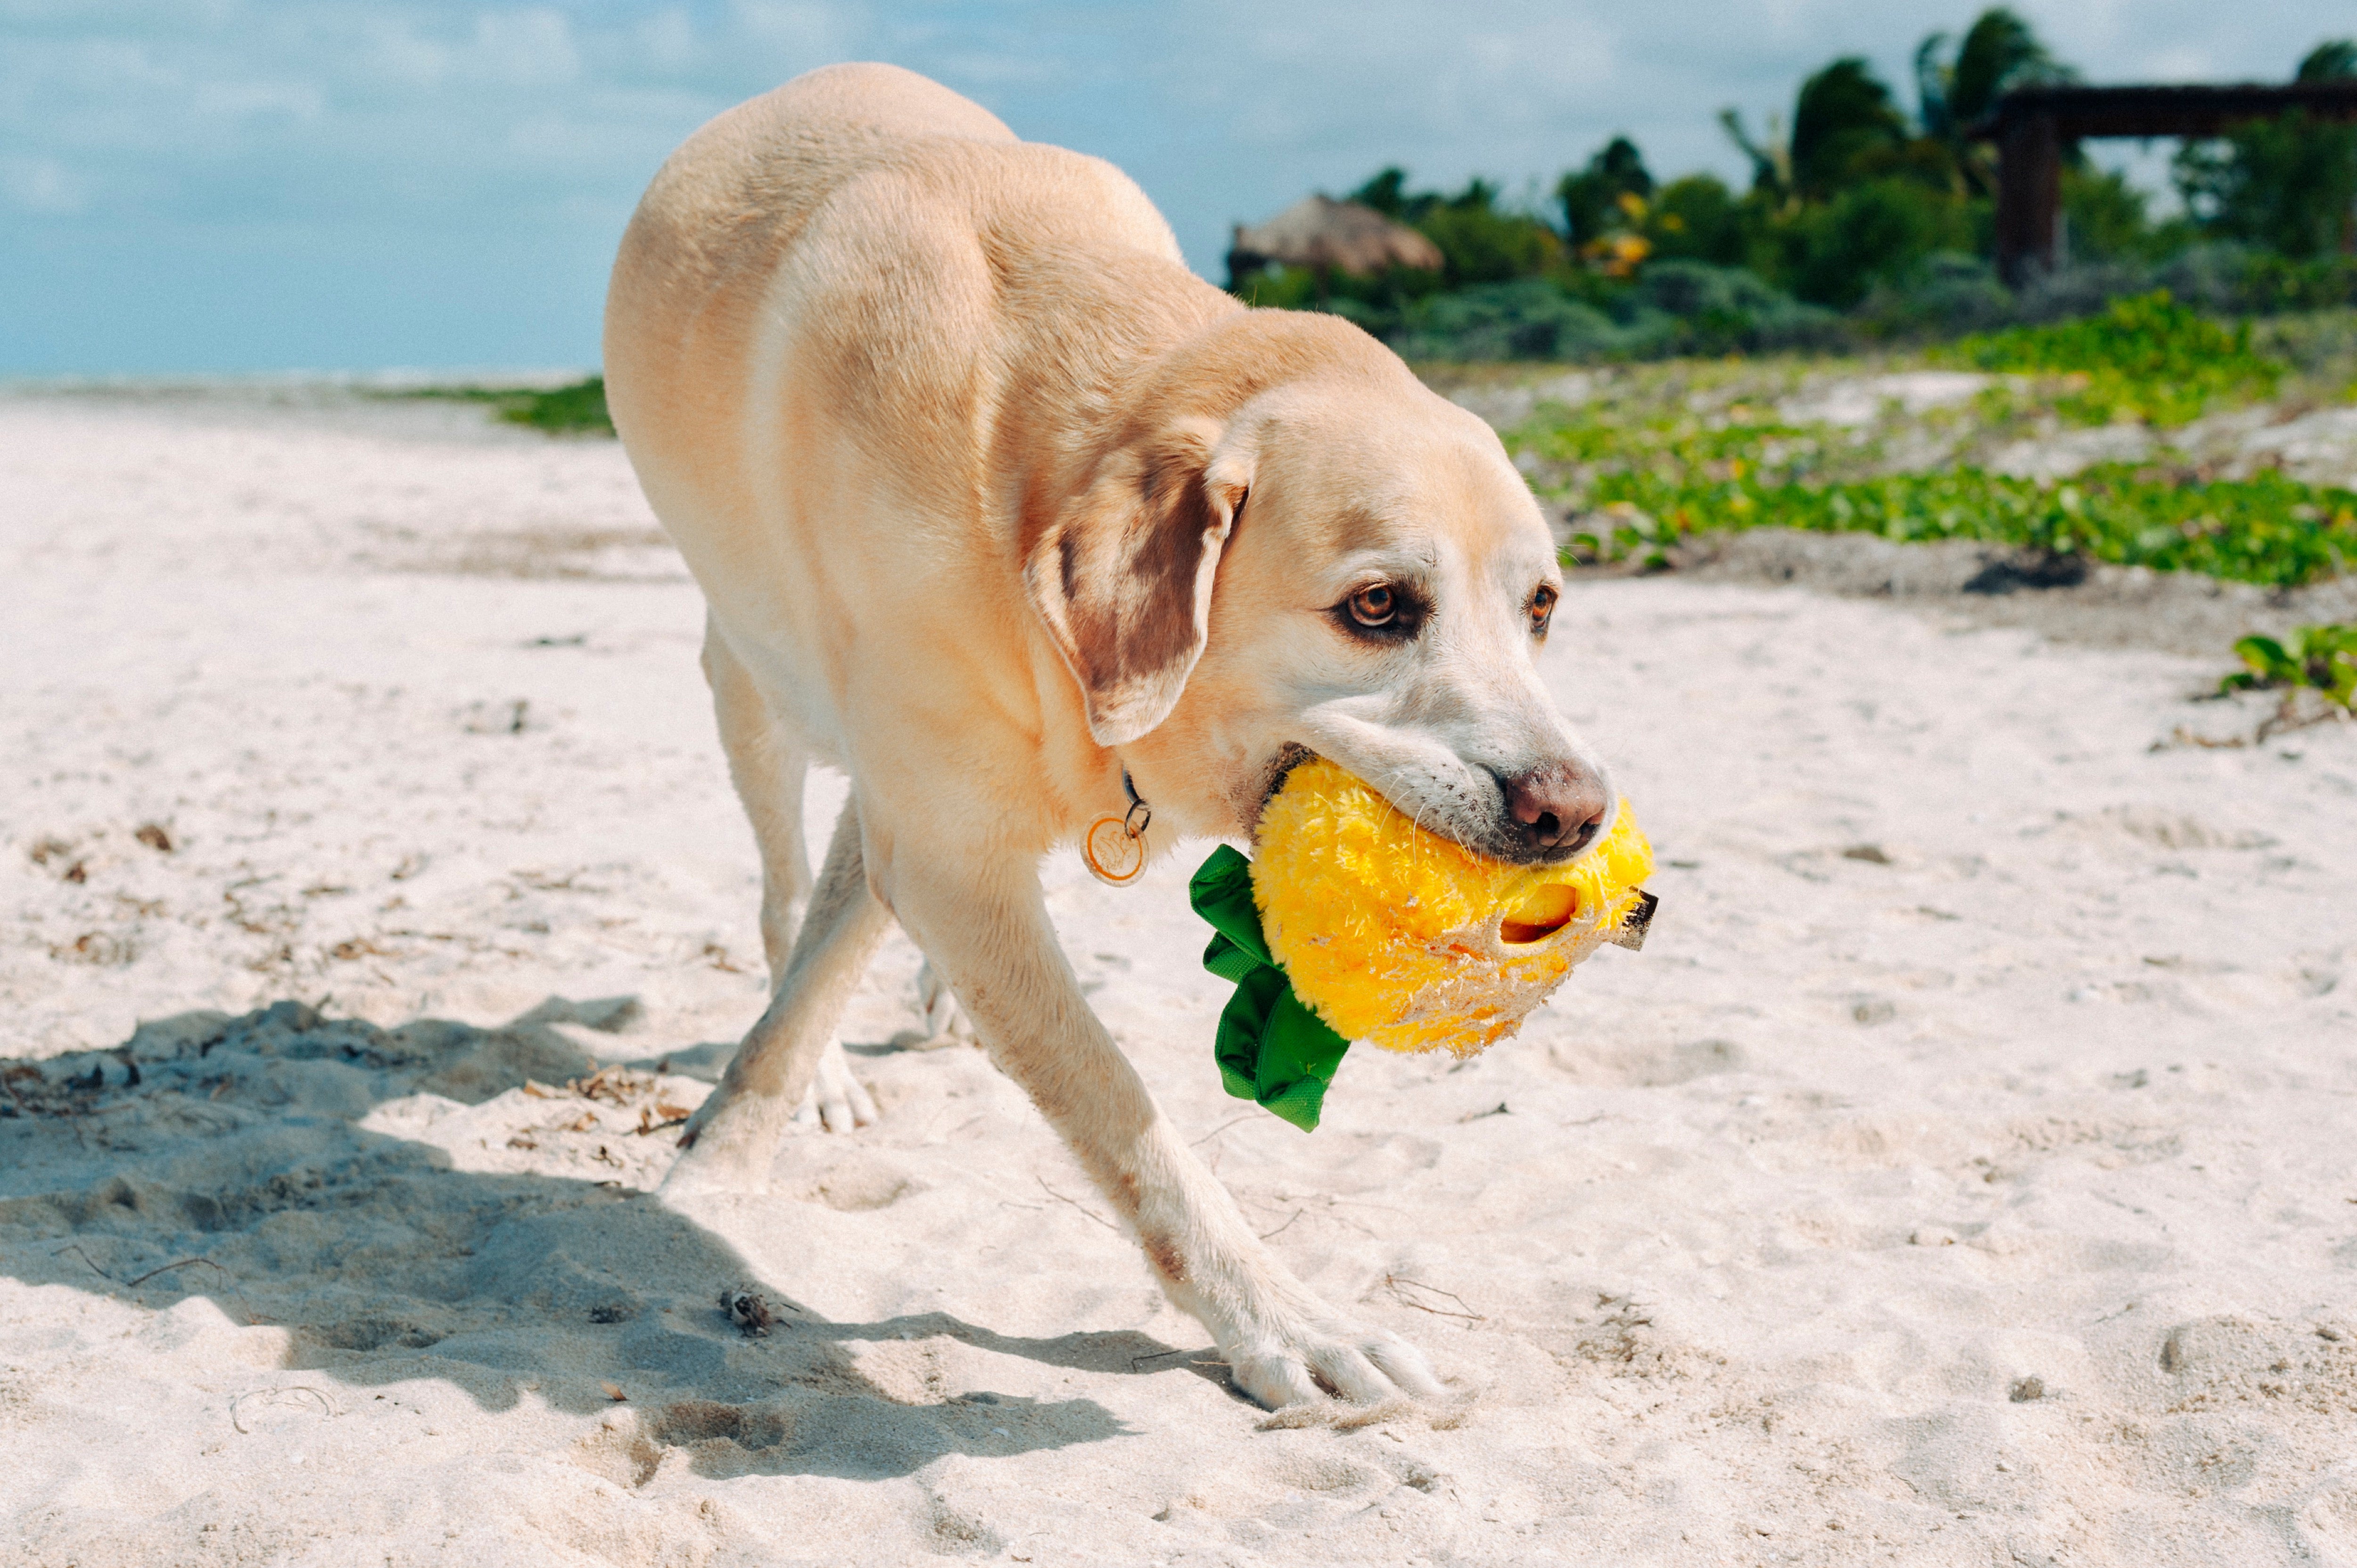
2028, 195
2031, 124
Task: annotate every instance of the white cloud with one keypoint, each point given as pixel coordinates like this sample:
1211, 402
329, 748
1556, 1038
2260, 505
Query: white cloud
667, 39
397, 55
807, 26
509, 127
2184, 63
524, 48
238, 101
42, 185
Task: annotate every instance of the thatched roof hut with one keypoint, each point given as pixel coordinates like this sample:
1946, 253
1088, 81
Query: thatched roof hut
1319, 231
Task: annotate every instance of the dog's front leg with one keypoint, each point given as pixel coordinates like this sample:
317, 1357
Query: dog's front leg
991, 938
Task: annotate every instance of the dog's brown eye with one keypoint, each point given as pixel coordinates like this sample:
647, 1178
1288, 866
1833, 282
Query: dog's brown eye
1375, 607
1542, 611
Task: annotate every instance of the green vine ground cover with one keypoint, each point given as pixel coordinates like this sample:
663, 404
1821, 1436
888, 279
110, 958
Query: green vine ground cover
1667, 452
577, 408
2268, 530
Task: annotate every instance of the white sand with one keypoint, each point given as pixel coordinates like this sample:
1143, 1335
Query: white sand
1986, 1197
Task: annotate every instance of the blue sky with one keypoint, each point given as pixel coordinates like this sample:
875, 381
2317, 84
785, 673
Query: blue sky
239, 185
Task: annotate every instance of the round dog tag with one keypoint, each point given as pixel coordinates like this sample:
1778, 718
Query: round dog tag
1115, 854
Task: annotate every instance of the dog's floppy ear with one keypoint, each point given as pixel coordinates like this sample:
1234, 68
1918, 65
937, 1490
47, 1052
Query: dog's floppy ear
1121, 577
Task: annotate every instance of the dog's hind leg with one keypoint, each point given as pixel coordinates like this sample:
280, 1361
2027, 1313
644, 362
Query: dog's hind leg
769, 766
733, 1135
937, 1004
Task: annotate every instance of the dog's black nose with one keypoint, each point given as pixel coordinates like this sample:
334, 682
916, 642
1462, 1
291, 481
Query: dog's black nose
1560, 806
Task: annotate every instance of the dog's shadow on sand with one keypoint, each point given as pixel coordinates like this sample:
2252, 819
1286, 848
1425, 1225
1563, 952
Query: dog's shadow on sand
223, 1157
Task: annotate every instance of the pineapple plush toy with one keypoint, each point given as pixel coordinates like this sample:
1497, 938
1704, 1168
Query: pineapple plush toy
1355, 924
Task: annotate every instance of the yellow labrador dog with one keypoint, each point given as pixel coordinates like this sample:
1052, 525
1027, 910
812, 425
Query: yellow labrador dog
1004, 512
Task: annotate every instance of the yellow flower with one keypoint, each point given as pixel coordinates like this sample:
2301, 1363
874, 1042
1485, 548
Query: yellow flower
1410, 941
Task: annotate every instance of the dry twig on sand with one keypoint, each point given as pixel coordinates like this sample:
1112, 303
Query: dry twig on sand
168, 1268
1399, 1285
76, 1250
1076, 1203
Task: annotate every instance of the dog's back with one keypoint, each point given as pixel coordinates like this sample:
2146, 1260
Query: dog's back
858, 203
727, 204
820, 283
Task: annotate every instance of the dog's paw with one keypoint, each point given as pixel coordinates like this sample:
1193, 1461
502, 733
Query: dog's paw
727, 1147
708, 1165
836, 1100
1311, 1361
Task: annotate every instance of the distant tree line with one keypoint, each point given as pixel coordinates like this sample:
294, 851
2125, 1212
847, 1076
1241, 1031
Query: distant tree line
1857, 207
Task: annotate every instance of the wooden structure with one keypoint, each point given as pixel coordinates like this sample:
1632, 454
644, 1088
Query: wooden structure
2032, 125
1318, 231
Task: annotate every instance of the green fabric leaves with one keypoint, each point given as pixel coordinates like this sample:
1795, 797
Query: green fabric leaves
1270, 1048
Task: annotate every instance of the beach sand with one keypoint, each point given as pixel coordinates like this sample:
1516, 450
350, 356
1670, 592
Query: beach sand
1963, 1174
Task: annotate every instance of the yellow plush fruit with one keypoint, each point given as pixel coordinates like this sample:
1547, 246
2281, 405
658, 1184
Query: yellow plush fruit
1410, 941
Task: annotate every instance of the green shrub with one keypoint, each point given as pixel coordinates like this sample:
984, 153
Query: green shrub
1872, 232
1674, 308
1722, 310
1482, 244
1479, 241
1946, 292
2104, 215
578, 409
1591, 198
1527, 319
2272, 285
2145, 357
1696, 218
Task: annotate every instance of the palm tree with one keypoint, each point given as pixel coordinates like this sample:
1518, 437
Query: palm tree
1772, 156
1999, 52
1843, 117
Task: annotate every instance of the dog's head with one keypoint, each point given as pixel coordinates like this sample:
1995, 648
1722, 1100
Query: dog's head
1294, 547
